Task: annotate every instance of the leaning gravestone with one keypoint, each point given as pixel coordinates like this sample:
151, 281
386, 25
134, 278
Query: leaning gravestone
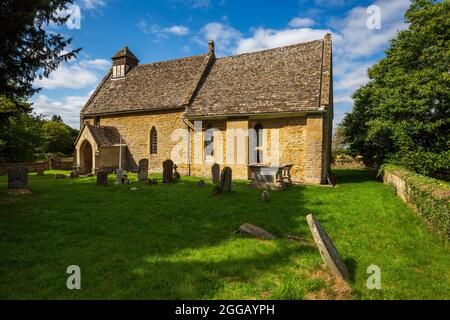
255, 231
225, 179
17, 179
119, 176
327, 250
143, 170
215, 173
167, 171
102, 178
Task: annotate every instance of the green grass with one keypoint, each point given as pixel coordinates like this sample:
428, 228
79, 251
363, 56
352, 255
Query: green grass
177, 241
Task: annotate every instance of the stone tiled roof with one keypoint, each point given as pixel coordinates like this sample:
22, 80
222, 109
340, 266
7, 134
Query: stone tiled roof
294, 78
155, 86
286, 79
104, 136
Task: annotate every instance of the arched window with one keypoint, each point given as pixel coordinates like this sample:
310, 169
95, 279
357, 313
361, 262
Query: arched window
209, 141
153, 141
259, 143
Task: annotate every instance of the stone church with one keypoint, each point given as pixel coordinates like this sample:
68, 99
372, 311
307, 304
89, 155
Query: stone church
283, 97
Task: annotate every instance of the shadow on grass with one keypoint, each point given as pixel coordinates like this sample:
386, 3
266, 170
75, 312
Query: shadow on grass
113, 230
354, 176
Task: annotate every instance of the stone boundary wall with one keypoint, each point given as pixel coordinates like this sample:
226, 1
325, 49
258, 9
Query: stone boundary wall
62, 164
348, 164
428, 197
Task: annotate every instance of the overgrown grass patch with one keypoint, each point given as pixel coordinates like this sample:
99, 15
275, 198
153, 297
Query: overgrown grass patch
177, 242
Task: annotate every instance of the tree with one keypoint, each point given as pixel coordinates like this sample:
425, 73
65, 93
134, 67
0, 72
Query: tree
20, 138
58, 137
402, 114
27, 50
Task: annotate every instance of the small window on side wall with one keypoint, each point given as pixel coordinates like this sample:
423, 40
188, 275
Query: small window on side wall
96, 121
153, 141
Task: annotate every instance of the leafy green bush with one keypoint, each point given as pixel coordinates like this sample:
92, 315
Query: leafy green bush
429, 197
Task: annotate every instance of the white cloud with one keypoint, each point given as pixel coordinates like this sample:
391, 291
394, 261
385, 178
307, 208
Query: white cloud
225, 37
178, 30
68, 108
74, 75
162, 32
269, 38
358, 40
93, 4
301, 22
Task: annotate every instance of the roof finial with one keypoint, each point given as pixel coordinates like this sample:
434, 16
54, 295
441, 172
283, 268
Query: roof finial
211, 46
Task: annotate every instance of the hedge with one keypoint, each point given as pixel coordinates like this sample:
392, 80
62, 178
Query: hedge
427, 196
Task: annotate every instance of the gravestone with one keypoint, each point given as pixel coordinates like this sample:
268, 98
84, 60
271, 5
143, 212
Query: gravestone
215, 173
327, 249
176, 174
255, 231
40, 171
119, 176
17, 178
143, 170
167, 171
265, 196
102, 178
201, 183
225, 179
60, 176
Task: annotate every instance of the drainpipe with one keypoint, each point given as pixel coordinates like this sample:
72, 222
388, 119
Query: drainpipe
188, 144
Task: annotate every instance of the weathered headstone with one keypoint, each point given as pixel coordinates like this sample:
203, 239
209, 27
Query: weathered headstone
215, 173
102, 178
265, 196
119, 176
255, 231
143, 170
17, 178
40, 171
176, 174
201, 183
327, 249
225, 179
167, 171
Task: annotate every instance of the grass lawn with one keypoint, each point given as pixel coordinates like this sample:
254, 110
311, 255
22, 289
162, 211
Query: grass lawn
177, 241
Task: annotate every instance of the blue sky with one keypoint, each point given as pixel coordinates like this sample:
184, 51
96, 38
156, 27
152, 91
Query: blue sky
165, 29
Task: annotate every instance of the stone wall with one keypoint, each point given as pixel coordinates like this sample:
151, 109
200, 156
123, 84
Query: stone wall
135, 131
429, 198
64, 164
300, 143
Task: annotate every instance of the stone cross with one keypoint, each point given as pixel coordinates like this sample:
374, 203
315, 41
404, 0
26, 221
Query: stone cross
119, 176
327, 249
215, 173
167, 171
225, 179
18, 178
102, 178
143, 170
